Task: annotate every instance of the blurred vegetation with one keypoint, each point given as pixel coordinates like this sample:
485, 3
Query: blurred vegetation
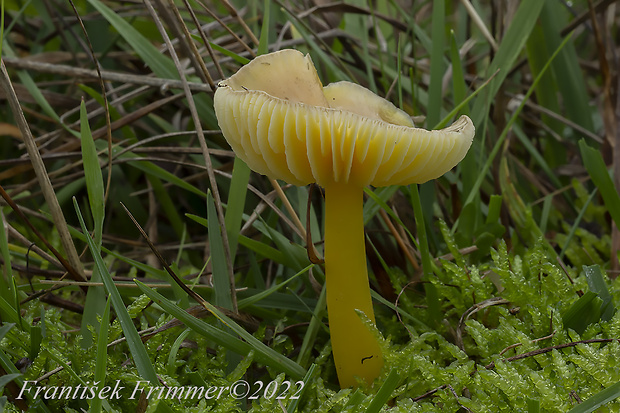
495, 285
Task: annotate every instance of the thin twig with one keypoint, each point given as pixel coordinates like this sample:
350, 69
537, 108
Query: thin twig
78, 72
472, 310
548, 349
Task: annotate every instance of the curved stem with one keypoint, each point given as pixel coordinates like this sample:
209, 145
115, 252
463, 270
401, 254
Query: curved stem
355, 349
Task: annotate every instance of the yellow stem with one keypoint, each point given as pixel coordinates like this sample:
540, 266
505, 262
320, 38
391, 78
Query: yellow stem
356, 351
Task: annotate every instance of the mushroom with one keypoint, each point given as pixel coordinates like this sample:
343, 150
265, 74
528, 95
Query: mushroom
277, 117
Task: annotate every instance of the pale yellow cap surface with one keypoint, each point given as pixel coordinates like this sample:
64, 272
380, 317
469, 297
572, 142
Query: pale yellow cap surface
278, 118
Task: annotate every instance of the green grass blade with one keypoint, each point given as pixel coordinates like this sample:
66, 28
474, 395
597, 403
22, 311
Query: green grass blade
288, 366
138, 351
34, 90
174, 350
218, 336
385, 392
169, 207
544, 216
546, 94
266, 293
495, 209
93, 175
6, 379
264, 354
378, 198
239, 59
597, 284
1, 25
221, 282
160, 64
10, 369
575, 225
263, 42
481, 172
540, 159
11, 314
150, 168
285, 301
461, 106
432, 298
378, 298
95, 298
252, 244
36, 337
595, 165
5, 329
433, 112
292, 406
102, 357
459, 88
236, 203
599, 399
509, 50
316, 322
566, 68
7, 290
585, 311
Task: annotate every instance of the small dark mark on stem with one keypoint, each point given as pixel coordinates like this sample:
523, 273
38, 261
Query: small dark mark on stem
366, 358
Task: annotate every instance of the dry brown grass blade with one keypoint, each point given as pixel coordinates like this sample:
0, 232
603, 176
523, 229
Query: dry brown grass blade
266, 200
57, 100
318, 38
207, 44
313, 253
233, 12
66, 149
124, 121
107, 75
231, 32
477, 20
201, 67
33, 247
399, 240
205, 150
75, 266
173, 19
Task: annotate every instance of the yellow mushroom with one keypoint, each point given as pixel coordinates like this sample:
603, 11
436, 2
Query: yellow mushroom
277, 117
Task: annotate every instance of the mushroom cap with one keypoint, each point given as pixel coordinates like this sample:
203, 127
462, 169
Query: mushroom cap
277, 117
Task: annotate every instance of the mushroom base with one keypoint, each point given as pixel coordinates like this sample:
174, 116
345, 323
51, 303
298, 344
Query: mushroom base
355, 349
